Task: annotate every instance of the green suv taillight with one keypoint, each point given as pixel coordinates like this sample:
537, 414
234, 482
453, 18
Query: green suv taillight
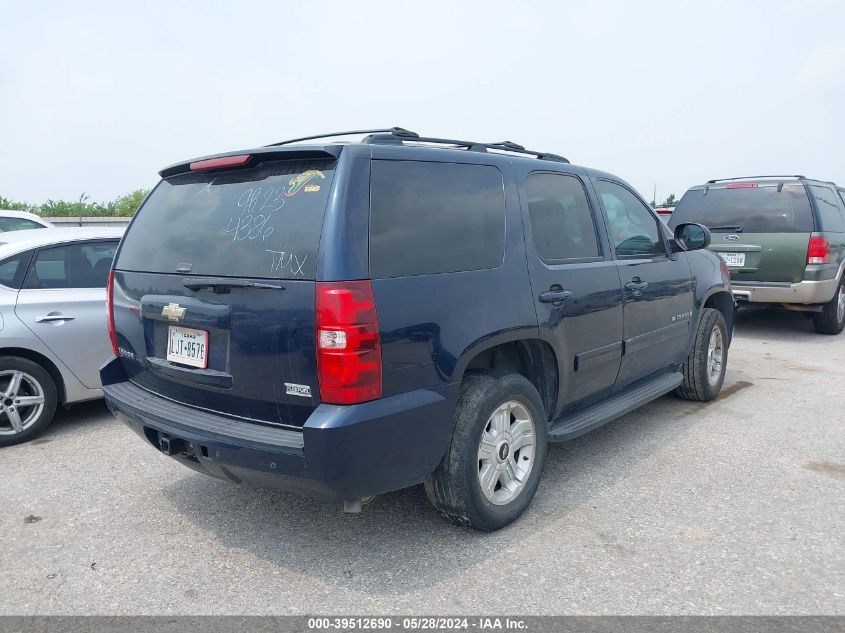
818, 250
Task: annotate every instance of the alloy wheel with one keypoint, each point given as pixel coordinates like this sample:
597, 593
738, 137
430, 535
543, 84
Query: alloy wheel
21, 401
506, 452
715, 355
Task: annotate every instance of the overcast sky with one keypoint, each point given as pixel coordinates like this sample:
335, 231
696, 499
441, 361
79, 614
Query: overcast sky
95, 97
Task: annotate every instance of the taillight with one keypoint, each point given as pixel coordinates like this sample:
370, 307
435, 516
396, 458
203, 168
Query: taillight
726, 273
219, 163
110, 312
818, 250
348, 342
741, 185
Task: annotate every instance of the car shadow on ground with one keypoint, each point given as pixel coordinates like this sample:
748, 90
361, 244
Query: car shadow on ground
776, 325
316, 539
79, 418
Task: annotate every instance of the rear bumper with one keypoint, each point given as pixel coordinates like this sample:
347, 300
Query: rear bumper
342, 452
804, 292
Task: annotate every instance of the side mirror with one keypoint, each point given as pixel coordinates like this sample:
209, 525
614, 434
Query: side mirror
691, 236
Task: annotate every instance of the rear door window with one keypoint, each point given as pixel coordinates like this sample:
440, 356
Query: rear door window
12, 270
749, 207
428, 218
830, 215
561, 220
72, 266
261, 222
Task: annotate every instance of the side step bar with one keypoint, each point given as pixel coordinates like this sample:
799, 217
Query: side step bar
571, 425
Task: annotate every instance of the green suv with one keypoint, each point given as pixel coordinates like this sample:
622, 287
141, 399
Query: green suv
783, 239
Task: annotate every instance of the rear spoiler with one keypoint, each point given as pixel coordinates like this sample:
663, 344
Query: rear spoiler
256, 157
713, 181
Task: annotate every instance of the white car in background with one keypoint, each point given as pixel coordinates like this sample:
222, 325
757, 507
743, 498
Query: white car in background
53, 331
21, 221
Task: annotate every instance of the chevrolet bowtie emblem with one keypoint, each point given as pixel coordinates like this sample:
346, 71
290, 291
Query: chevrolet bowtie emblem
173, 311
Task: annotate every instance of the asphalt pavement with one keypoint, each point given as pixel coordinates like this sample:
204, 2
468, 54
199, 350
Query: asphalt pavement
731, 507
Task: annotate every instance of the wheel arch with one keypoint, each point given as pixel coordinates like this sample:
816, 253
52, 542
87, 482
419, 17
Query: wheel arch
48, 365
532, 358
723, 301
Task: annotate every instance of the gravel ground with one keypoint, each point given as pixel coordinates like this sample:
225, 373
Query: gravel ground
732, 507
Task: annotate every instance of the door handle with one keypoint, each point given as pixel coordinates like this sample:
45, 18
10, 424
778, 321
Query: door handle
53, 317
555, 296
636, 285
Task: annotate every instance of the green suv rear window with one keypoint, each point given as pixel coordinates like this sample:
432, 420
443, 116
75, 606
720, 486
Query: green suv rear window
753, 208
262, 222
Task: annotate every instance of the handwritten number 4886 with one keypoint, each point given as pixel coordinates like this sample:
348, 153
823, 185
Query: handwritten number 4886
249, 227
256, 212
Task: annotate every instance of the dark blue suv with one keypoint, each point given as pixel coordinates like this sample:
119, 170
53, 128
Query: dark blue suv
343, 320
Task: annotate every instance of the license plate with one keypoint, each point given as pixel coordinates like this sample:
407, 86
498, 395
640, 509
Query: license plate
733, 259
187, 346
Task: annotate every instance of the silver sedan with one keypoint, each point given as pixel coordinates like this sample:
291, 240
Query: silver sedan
53, 332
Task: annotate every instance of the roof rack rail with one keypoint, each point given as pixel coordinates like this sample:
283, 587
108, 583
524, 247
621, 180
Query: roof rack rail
798, 176
391, 138
399, 135
395, 131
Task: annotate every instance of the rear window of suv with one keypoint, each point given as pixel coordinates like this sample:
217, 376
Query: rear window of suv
263, 222
755, 208
428, 218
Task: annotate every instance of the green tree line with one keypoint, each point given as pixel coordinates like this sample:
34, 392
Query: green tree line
124, 205
671, 201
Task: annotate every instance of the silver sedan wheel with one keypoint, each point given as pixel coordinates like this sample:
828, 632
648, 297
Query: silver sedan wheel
715, 355
840, 304
506, 452
21, 401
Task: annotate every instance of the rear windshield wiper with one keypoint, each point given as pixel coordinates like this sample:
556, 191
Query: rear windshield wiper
732, 229
221, 284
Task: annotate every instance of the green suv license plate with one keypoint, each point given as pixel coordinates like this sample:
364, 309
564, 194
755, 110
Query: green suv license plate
733, 259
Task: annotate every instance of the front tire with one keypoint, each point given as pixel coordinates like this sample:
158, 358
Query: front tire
28, 399
493, 465
704, 369
831, 320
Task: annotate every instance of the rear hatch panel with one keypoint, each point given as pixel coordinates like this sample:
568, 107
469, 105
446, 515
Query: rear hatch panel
771, 257
258, 343
254, 233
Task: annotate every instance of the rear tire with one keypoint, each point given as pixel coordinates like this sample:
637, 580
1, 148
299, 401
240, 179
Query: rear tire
704, 369
492, 468
28, 398
831, 320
